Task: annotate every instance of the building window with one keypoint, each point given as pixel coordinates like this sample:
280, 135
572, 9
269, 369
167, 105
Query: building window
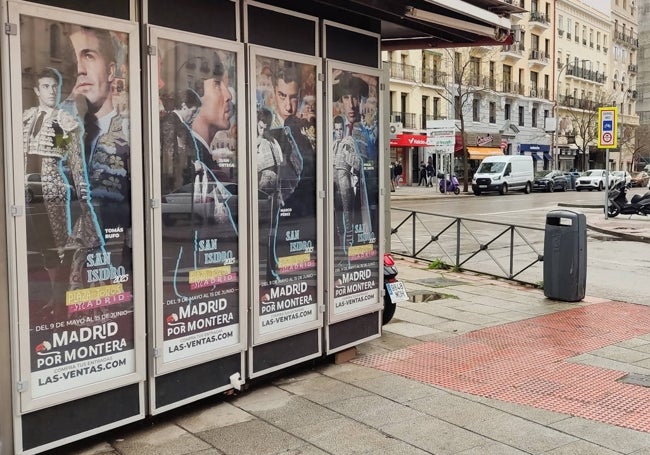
436, 108
425, 111
521, 115
506, 111
55, 41
534, 114
476, 110
493, 112
457, 107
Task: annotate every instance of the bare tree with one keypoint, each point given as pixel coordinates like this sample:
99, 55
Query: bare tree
578, 122
468, 83
642, 149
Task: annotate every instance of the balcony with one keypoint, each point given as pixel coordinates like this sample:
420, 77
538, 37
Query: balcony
515, 17
560, 32
473, 80
626, 38
489, 83
402, 71
632, 68
577, 103
512, 52
568, 35
538, 20
540, 93
406, 118
537, 57
426, 118
633, 94
434, 77
628, 119
586, 74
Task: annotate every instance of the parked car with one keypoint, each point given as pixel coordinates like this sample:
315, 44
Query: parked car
593, 179
550, 181
616, 176
34, 188
183, 204
640, 179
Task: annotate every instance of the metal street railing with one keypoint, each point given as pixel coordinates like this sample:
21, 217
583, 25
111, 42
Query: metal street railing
502, 250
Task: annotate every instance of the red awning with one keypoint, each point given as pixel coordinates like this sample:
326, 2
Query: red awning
458, 147
409, 140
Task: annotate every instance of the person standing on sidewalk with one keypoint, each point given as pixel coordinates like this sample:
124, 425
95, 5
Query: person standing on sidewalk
430, 172
398, 173
423, 174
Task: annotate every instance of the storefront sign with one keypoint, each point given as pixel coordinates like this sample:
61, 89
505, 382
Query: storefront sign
442, 141
409, 140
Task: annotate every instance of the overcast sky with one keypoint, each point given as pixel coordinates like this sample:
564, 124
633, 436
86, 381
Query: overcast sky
603, 5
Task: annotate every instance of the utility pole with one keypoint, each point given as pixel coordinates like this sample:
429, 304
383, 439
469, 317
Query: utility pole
554, 154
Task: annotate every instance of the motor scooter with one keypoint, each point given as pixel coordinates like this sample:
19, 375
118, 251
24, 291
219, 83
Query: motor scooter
394, 290
618, 203
449, 186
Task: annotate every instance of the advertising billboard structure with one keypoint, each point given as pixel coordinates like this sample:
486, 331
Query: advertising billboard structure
78, 276
151, 264
354, 177
284, 129
199, 227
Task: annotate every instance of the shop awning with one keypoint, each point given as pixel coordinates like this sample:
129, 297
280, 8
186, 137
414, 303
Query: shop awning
535, 156
547, 156
478, 153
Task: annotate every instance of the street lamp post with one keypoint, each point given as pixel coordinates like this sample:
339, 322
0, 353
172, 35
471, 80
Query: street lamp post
556, 158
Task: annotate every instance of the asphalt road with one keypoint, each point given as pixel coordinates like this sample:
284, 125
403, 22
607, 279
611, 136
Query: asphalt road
616, 269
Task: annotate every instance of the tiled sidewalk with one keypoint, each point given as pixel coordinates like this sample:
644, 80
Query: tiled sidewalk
531, 362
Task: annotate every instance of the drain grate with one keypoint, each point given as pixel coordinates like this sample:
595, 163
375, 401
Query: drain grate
439, 282
424, 296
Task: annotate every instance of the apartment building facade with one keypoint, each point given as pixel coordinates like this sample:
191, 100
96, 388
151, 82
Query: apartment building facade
625, 45
582, 48
562, 65
642, 155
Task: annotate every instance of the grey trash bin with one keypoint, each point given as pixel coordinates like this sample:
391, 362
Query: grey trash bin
565, 255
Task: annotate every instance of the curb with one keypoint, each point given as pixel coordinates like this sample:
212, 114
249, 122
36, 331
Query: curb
582, 206
622, 235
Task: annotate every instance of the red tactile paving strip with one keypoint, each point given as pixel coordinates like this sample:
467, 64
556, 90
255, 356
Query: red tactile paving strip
525, 362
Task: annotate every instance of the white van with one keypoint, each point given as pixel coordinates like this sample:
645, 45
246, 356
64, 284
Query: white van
503, 173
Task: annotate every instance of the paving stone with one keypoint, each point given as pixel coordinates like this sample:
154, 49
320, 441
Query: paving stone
615, 438
254, 437
162, 439
295, 413
324, 390
220, 415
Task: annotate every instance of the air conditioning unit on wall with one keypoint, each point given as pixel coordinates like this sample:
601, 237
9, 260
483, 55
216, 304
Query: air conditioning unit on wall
395, 128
